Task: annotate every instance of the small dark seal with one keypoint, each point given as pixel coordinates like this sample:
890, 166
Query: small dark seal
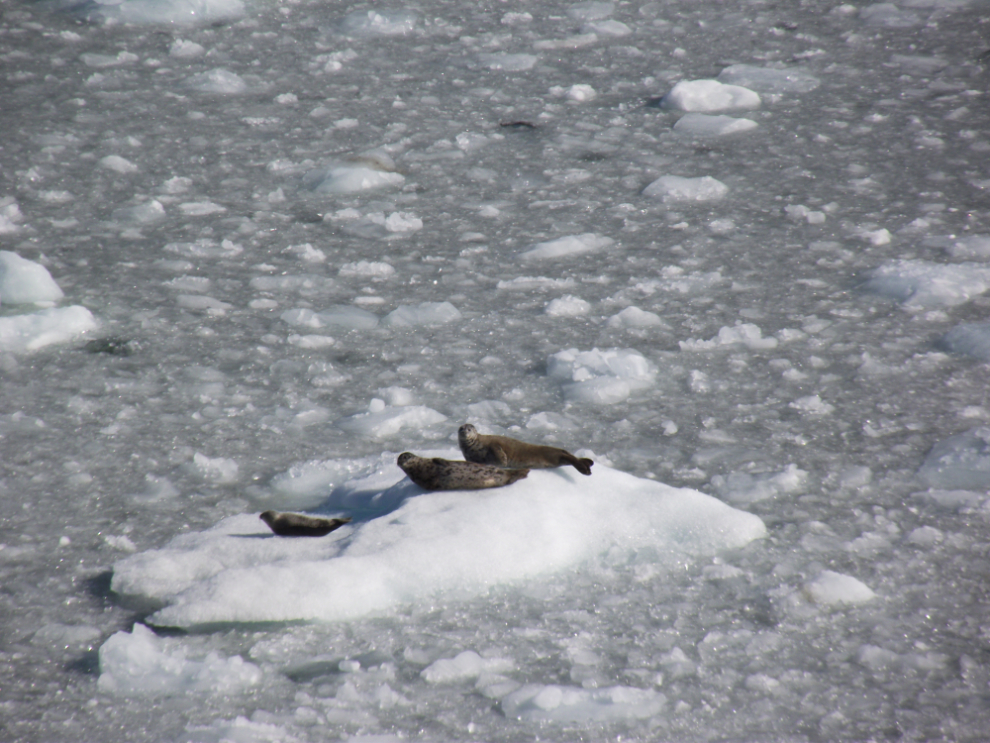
502, 451
299, 525
444, 474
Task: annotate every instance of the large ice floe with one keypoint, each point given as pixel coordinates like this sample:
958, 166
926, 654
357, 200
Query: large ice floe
407, 545
155, 11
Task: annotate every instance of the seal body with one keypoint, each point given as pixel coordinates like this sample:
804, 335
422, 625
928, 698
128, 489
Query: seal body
501, 451
299, 525
444, 474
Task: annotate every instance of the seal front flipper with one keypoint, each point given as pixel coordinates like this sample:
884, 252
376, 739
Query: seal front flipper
300, 525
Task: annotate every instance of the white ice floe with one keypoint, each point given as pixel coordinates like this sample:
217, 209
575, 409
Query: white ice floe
570, 245
567, 306
742, 488
220, 470
352, 177
959, 462
23, 281
118, 164
705, 96
972, 247
138, 663
144, 213
374, 270
706, 125
393, 22
836, 589
812, 405
744, 334
308, 283
674, 188
185, 49
592, 10
377, 225
634, 317
921, 284
888, 15
424, 314
505, 62
574, 704
602, 377
972, 339
465, 665
10, 215
341, 315
217, 80
157, 11
769, 79
205, 248
606, 28
239, 572
35, 330
384, 421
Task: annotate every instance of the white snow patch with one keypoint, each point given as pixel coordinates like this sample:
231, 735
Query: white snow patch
705, 96
673, 188
706, 125
588, 242
836, 589
602, 377
138, 663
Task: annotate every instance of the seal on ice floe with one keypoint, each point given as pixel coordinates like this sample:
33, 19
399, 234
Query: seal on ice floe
299, 525
502, 451
444, 474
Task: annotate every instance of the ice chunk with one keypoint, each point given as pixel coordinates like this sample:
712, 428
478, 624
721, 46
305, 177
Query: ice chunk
560, 520
465, 666
243, 730
633, 317
376, 224
812, 405
769, 79
146, 213
922, 284
219, 470
567, 306
23, 281
592, 10
745, 334
35, 330
570, 245
706, 125
425, 314
570, 704
374, 270
673, 188
606, 28
742, 488
504, 62
339, 315
835, 589
157, 11
184, 49
709, 95
118, 164
972, 339
888, 15
100, 61
603, 377
217, 80
10, 215
959, 462
139, 663
973, 247
379, 23
389, 421
351, 177
200, 208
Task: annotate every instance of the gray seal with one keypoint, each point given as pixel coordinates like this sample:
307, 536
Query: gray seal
444, 474
502, 451
299, 525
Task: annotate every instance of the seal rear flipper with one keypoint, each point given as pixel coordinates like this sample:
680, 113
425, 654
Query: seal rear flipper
513, 475
583, 466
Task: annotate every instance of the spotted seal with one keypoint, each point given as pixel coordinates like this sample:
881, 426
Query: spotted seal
298, 525
502, 451
444, 474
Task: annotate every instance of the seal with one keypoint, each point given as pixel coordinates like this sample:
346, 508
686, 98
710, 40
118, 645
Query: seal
298, 525
502, 451
444, 474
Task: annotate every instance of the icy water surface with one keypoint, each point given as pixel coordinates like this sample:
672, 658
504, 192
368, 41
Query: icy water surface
315, 235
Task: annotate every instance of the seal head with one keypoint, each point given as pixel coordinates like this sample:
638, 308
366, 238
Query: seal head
445, 474
501, 451
300, 525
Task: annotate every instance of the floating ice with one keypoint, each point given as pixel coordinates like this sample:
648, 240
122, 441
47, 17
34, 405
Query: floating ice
974, 247
157, 11
920, 284
812, 405
185, 49
35, 330
571, 704
139, 663
205, 248
217, 80
591, 11
769, 79
100, 61
465, 666
118, 164
219, 469
959, 462
144, 213
10, 215
374, 270
835, 589
23, 281
425, 314
384, 421
351, 177
504, 62
567, 306
709, 95
603, 377
742, 488
972, 339
307, 283
570, 245
606, 28
889, 15
560, 520
379, 23
673, 188
746, 334
633, 317
705, 125
339, 315
377, 225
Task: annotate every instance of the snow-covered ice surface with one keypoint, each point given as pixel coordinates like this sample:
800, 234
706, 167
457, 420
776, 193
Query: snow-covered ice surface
263, 247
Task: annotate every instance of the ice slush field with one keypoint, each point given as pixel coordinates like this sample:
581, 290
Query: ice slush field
736, 253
